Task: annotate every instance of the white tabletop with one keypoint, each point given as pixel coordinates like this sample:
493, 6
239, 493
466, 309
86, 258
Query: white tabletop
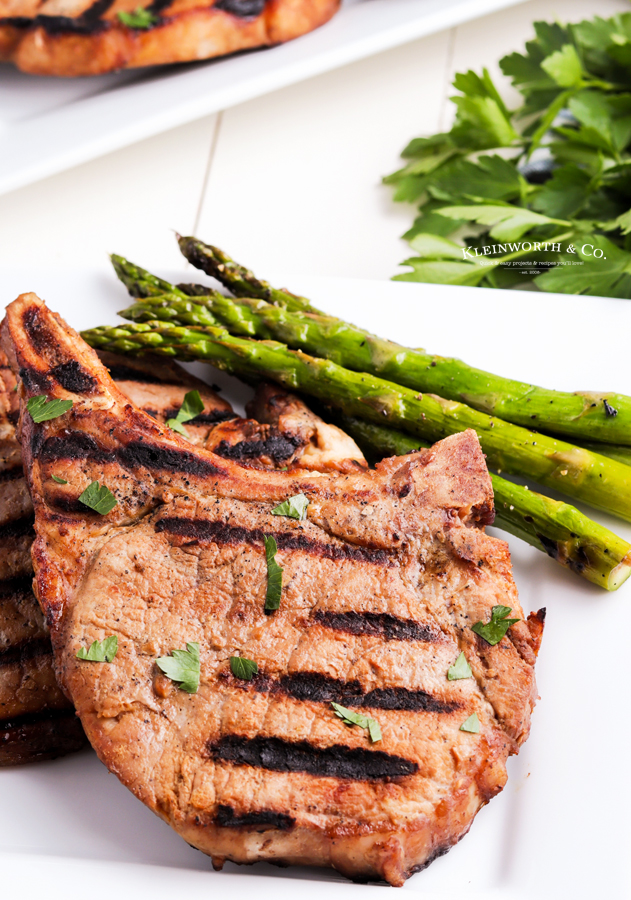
289, 182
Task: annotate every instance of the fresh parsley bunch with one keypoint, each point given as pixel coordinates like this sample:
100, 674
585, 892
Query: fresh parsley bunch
554, 174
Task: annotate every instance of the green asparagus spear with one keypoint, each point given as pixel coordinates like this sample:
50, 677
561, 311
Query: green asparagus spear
555, 528
590, 478
140, 282
583, 415
235, 277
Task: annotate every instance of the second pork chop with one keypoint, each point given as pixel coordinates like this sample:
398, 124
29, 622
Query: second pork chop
381, 587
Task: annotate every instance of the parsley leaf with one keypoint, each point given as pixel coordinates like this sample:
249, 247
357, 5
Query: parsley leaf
460, 669
99, 498
243, 668
295, 507
374, 730
58, 479
182, 666
192, 406
42, 409
353, 718
560, 183
140, 18
274, 574
495, 629
472, 724
100, 651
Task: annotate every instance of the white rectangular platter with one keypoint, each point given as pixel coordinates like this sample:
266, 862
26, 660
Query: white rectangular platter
561, 827
51, 124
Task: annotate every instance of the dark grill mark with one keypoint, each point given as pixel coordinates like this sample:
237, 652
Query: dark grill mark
159, 6
244, 9
222, 533
67, 504
23, 652
264, 819
35, 382
89, 22
36, 330
127, 373
205, 418
11, 474
16, 587
17, 529
214, 416
277, 447
384, 625
153, 456
72, 377
17, 21
321, 689
73, 445
337, 761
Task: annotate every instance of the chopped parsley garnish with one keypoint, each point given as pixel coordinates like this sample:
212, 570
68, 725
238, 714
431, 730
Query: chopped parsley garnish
99, 498
472, 724
182, 666
274, 575
243, 668
58, 479
42, 409
494, 630
140, 18
550, 172
100, 651
353, 718
460, 669
192, 406
295, 507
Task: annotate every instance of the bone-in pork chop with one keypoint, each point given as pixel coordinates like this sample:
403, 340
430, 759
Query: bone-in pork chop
381, 586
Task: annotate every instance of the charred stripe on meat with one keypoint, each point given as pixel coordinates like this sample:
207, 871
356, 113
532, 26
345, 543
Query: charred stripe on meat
336, 761
319, 688
27, 650
261, 819
91, 21
222, 533
74, 445
19, 528
390, 627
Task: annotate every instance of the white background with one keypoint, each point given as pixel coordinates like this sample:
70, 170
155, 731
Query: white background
290, 184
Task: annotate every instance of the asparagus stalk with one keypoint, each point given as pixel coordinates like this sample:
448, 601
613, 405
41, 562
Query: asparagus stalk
583, 415
593, 479
140, 282
241, 281
555, 528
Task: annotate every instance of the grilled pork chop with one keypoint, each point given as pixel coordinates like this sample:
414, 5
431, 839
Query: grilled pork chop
88, 37
381, 585
36, 720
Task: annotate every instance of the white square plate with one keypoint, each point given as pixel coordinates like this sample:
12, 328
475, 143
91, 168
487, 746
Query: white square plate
561, 827
51, 124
